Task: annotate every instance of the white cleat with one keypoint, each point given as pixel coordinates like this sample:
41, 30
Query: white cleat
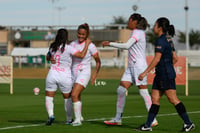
113, 122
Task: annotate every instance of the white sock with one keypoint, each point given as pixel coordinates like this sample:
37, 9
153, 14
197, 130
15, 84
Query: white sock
77, 111
147, 98
121, 100
49, 105
81, 110
68, 109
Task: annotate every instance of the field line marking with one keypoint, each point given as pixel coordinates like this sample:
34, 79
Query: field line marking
21, 126
98, 119
140, 116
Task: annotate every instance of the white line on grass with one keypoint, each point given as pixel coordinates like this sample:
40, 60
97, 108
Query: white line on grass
99, 119
21, 126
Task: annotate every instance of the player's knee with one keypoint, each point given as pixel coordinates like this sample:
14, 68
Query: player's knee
173, 100
155, 100
74, 96
121, 90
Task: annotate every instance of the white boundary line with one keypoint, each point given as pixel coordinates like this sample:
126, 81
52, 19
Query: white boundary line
99, 119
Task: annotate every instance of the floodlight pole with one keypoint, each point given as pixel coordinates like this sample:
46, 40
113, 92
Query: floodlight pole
186, 26
59, 8
135, 7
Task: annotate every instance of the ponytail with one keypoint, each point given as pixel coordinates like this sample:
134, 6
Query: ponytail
171, 30
165, 25
61, 39
142, 24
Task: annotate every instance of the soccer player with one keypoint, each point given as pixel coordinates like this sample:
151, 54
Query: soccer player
164, 81
59, 75
136, 47
81, 70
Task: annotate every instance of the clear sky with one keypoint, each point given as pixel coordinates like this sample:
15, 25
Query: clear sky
95, 12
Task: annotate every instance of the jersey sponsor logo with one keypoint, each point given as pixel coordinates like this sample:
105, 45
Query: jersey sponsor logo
58, 69
158, 47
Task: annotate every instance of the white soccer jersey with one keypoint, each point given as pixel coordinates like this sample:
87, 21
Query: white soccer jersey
136, 53
81, 68
59, 74
85, 63
63, 60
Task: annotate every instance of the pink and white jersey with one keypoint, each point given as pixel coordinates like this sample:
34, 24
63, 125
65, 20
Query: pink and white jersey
85, 63
63, 60
136, 53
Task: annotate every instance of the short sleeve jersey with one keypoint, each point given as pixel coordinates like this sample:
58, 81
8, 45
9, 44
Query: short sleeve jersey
86, 61
136, 53
63, 60
164, 69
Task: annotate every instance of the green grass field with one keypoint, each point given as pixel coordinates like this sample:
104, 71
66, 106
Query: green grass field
23, 112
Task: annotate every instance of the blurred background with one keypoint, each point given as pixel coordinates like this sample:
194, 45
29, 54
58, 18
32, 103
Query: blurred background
28, 27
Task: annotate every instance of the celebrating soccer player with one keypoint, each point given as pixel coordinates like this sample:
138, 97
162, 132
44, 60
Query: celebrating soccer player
136, 47
59, 75
81, 70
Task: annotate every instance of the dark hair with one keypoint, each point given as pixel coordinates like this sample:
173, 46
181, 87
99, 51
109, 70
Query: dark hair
61, 39
136, 16
142, 24
85, 26
141, 21
165, 25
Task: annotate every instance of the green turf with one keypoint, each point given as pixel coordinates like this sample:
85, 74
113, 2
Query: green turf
24, 108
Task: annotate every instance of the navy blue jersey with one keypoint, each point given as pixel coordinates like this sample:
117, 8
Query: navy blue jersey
164, 69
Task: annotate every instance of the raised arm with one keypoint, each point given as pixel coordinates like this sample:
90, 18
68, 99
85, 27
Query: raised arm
126, 45
81, 54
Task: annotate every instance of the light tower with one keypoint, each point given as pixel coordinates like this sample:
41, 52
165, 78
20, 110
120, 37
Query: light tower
135, 7
186, 26
53, 2
60, 9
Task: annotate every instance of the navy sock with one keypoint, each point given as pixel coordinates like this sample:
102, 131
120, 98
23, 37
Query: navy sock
180, 108
152, 114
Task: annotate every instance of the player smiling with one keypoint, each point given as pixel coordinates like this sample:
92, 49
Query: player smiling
59, 75
81, 70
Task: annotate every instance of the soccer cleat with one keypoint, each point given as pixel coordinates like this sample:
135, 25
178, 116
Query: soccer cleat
154, 124
69, 122
113, 122
50, 120
143, 128
187, 128
76, 123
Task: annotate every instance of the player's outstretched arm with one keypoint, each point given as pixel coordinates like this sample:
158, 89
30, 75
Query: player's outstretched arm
126, 45
84, 51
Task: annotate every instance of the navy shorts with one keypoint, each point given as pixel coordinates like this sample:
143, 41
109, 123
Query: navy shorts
163, 85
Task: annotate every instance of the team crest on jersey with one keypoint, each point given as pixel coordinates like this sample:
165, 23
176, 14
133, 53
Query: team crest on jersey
158, 47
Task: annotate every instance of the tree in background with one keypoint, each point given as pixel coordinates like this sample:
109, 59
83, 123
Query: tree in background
118, 20
151, 37
193, 35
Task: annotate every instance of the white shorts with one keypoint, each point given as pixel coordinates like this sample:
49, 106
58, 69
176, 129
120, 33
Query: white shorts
131, 74
81, 77
59, 80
